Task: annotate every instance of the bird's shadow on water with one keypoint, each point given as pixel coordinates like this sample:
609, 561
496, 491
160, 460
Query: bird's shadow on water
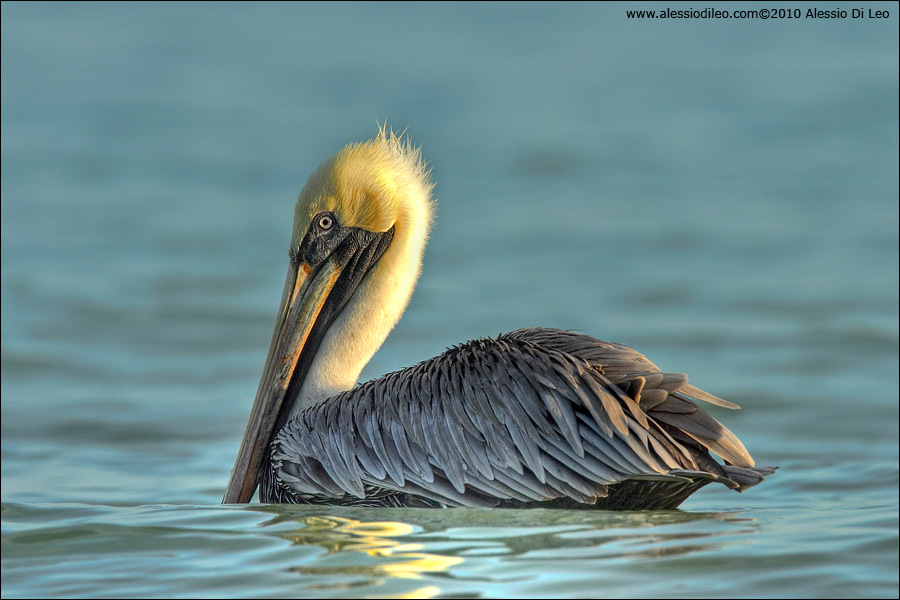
414, 543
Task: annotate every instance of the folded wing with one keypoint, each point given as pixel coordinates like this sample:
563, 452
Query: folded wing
535, 416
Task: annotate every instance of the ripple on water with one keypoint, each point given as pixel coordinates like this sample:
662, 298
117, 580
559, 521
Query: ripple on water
331, 552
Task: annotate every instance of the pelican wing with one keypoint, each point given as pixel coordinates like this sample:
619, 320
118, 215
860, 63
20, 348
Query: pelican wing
665, 396
618, 362
533, 416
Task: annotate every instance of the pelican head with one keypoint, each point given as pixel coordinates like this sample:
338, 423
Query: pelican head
360, 227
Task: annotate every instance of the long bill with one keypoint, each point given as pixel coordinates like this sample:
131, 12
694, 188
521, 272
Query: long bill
312, 299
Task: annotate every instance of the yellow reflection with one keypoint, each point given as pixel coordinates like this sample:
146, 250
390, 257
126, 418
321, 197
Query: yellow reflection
425, 592
397, 559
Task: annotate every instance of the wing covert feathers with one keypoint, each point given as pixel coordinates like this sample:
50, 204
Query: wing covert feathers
534, 416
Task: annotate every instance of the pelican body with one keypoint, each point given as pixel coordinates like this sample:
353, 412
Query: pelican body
536, 417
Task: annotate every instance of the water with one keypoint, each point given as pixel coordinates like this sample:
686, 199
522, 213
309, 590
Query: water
721, 195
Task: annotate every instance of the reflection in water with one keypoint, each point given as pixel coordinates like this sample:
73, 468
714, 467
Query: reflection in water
375, 539
400, 559
365, 547
610, 535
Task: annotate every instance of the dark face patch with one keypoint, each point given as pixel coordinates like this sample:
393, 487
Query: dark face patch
357, 251
324, 235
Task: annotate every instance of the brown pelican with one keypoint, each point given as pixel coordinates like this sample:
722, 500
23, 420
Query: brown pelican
536, 417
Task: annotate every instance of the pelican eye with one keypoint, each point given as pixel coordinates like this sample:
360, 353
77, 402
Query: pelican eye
325, 222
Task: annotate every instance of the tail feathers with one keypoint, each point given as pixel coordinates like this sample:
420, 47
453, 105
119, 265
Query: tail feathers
746, 477
738, 478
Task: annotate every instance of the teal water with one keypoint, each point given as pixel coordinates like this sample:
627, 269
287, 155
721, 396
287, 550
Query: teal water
721, 195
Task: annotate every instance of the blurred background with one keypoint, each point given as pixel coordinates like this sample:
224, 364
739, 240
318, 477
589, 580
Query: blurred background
720, 194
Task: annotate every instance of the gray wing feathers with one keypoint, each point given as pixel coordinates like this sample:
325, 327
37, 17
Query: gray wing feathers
660, 395
535, 415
